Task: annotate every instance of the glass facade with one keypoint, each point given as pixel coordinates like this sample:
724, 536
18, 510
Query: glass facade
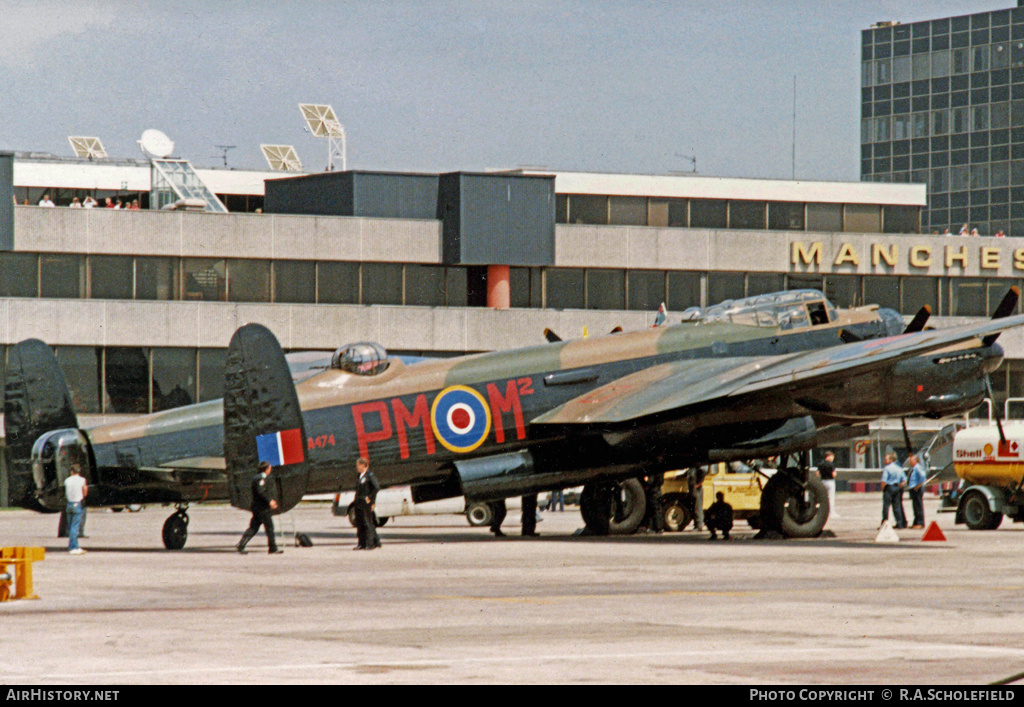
942, 103
412, 284
596, 210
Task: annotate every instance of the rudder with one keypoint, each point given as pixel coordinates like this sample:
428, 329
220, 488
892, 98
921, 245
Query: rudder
262, 417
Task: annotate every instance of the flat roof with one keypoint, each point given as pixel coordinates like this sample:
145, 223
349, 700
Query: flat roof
700, 187
127, 175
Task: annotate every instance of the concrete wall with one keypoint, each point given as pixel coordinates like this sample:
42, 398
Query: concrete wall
104, 231
6, 200
211, 324
786, 251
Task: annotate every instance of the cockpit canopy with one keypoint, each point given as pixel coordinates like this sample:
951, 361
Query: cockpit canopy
363, 359
788, 310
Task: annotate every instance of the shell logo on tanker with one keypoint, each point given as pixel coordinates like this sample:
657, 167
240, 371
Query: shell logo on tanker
460, 418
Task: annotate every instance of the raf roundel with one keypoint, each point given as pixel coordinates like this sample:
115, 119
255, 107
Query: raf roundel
461, 418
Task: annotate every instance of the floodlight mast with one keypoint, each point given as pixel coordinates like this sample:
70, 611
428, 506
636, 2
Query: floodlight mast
323, 122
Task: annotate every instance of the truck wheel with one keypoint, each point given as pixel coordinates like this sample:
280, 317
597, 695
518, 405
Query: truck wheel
977, 514
677, 516
479, 514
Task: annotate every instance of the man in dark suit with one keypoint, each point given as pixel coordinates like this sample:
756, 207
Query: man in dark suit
263, 502
366, 497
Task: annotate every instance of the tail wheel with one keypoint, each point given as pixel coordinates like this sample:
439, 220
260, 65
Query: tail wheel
479, 514
677, 516
176, 531
796, 510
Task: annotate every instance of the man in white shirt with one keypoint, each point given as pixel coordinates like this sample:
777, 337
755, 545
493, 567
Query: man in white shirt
45, 201
75, 489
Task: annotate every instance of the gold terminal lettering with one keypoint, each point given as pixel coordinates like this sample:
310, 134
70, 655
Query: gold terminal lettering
990, 258
921, 256
847, 255
960, 255
879, 253
800, 252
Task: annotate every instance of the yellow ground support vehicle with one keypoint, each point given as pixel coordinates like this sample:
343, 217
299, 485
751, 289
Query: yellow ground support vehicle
742, 491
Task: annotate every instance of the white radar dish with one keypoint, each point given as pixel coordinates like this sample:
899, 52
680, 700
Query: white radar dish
90, 147
321, 120
156, 143
281, 158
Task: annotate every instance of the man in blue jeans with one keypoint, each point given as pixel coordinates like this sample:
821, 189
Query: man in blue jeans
75, 490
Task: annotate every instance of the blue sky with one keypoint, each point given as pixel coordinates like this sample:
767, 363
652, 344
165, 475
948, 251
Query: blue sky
429, 85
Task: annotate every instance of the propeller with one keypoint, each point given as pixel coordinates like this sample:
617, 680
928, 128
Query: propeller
919, 320
551, 336
995, 411
1005, 309
616, 330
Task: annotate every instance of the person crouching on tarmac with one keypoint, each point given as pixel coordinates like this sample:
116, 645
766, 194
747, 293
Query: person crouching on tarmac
719, 517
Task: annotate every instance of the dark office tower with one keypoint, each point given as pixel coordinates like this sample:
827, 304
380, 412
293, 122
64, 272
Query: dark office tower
942, 103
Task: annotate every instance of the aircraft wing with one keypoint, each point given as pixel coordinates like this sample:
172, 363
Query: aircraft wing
675, 386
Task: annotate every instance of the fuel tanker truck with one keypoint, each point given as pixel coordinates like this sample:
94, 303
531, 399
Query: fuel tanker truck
990, 464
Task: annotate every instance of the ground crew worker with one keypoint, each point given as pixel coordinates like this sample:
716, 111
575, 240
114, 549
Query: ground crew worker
719, 517
530, 515
695, 483
915, 487
893, 483
827, 472
498, 512
263, 502
366, 498
654, 520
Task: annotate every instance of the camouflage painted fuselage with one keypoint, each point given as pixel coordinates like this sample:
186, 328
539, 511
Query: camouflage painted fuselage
414, 421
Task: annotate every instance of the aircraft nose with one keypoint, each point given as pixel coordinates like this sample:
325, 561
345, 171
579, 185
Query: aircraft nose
993, 357
892, 320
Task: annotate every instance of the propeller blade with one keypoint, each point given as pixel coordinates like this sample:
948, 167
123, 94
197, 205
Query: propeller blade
616, 330
1005, 309
906, 436
551, 336
995, 410
919, 320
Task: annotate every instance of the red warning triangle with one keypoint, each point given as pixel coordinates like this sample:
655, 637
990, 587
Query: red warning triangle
933, 532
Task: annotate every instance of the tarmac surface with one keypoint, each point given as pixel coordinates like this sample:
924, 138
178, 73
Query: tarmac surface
442, 602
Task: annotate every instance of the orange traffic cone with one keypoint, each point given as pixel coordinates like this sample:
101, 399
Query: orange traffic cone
933, 533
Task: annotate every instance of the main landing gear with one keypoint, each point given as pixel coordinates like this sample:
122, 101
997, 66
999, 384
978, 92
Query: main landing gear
794, 502
176, 529
613, 507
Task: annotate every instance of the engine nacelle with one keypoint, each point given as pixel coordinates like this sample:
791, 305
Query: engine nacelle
53, 455
498, 476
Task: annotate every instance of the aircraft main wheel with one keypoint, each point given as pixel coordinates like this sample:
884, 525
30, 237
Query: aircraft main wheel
977, 514
677, 516
795, 510
615, 508
479, 514
176, 531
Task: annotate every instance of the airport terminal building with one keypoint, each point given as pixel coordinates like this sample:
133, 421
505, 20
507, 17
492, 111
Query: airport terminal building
140, 305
